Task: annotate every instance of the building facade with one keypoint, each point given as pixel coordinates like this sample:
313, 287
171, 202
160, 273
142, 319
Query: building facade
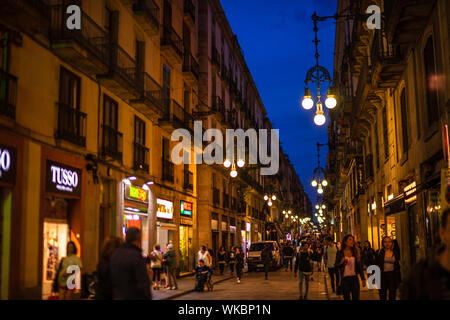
86, 119
388, 157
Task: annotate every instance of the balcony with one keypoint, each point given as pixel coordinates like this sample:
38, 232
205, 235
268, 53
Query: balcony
172, 45
406, 19
233, 204
218, 106
188, 180
147, 15
189, 13
112, 143
150, 101
225, 200
8, 94
242, 208
31, 16
215, 58
387, 62
122, 78
175, 117
168, 171
71, 125
191, 68
216, 196
141, 157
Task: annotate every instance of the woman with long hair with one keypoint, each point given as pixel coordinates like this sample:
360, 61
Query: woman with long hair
388, 260
239, 264
156, 265
104, 289
68, 290
348, 262
221, 258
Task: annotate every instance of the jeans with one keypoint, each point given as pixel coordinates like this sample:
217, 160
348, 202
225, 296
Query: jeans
388, 283
171, 272
239, 272
232, 267
221, 266
156, 274
334, 278
288, 262
350, 285
300, 283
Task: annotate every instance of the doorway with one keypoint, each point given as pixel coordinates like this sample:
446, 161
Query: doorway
5, 240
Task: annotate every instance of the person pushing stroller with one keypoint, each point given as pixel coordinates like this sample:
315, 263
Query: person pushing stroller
202, 275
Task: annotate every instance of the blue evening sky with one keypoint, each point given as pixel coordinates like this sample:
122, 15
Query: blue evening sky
276, 37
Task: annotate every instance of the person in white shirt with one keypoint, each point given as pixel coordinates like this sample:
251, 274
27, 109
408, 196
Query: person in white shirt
330, 259
204, 255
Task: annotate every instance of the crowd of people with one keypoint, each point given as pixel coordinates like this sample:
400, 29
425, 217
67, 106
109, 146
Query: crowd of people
350, 265
123, 272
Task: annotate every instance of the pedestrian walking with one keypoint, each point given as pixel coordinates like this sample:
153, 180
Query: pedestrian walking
232, 259
303, 264
330, 260
389, 263
171, 261
266, 256
60, 283
104, 288
348, 262
221, 259
239, 264
368, 256
156, 266
288, 254
430, 277
129, 270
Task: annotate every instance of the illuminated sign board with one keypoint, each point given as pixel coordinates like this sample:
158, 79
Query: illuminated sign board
186, 208
165, 209
136, 194
410, 193
63, 179
8, 160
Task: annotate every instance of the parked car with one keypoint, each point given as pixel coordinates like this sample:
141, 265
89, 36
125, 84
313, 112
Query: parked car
254, 259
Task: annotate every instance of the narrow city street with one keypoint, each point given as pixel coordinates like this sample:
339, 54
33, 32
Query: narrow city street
281, 285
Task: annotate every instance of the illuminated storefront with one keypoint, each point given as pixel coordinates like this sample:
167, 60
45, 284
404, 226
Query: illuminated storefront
62, 209
135, 212
165, 228
187, 262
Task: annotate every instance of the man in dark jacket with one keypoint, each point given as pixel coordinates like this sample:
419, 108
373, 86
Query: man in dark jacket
288, 254
430, 278
267, 257
129, 271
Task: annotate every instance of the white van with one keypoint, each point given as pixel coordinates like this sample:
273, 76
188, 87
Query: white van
254, 259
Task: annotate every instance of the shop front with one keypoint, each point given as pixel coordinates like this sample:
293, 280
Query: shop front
165, 227
187, 257
224, 231
62, 211
8, 168
135, 212
232, 232
215, 234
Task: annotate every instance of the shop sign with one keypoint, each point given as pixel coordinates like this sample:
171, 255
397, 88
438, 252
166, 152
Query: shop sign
165, 209
248, 227
394, 206
214, 225
8, 160
186, 208
136, 194
410, 193
63, 179
232, 229
224, 226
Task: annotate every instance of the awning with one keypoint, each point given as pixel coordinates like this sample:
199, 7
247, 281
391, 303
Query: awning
395, 205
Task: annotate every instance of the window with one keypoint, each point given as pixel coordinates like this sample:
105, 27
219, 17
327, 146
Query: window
139, 131
141, 153
110, 110
385, 134
167, 18
377, 146
430, 82
404, 116
69, 89
166, 88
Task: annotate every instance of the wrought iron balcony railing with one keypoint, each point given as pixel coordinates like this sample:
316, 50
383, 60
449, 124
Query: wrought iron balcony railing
141, 157
168, 170
190, 64
112, 143
71, 125
172, 39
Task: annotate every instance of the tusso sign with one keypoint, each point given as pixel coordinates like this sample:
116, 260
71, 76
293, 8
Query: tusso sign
63, 179
8, 161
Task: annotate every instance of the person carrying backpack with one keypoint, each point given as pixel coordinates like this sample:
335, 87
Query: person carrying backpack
303, 263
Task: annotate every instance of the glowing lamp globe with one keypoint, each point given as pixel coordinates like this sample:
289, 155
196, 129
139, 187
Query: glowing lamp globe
330, 102
314, 183
240, 163
324, 182
227, 163
319, 119
233, 173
